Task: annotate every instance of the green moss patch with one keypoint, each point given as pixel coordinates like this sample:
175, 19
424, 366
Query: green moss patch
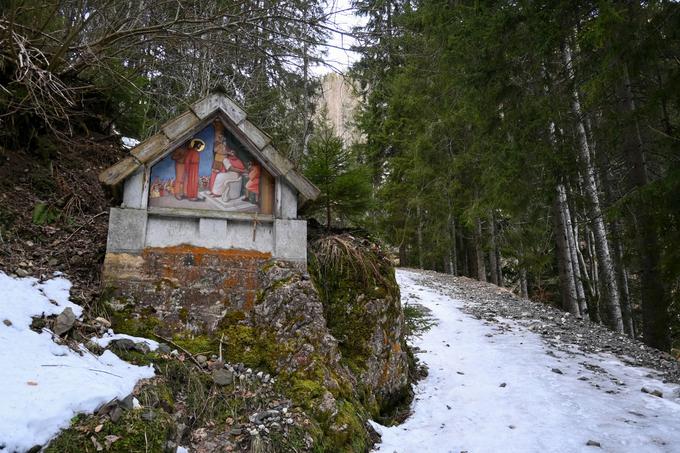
145, 429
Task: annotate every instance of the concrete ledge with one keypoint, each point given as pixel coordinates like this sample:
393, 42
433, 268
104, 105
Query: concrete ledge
127, 230
290, 240
209, 214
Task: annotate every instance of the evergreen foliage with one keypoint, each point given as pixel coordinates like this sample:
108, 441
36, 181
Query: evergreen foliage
344, 183
492, 125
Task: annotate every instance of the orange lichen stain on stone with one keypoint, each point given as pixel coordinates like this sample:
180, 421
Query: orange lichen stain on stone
385, 373
199, 252
396, 347
250, 301
230, 282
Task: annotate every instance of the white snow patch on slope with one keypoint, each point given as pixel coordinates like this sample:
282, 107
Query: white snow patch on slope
538, 410
110, 336
43, 384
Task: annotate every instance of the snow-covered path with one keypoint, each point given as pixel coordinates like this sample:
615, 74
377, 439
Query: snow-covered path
492, 388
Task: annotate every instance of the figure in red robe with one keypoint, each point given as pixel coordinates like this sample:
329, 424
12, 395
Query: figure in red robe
191, 162
253, 184
178, 187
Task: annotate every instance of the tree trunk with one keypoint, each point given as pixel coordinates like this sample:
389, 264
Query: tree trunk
494, 254
493, 265
465, 259
454, 250
523, 286
571, 243
328, 215
610, 293
419, 233
479, 252
564, 263
654, 297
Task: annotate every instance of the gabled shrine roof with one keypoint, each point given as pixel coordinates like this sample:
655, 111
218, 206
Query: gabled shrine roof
178, 130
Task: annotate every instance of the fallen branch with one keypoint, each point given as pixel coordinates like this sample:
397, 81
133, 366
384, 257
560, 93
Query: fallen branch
191, 356
89, 369
84, 225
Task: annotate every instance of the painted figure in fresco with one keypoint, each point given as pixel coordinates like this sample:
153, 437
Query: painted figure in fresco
191, 161
253, 184
227, 183
178, 156
186, 170
156, 188
220, 150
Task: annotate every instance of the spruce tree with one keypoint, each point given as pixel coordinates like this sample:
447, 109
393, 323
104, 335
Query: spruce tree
344, 183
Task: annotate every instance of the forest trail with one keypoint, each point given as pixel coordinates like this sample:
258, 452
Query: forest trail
501, 379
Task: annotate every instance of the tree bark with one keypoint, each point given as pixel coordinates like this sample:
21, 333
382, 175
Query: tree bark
479, 252
523, 285
610, 293
494, 253
654, 298
571, 243
493, 264
564, 263
419, 234
453, 262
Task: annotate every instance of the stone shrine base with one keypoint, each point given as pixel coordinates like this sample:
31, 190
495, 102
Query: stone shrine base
185, 287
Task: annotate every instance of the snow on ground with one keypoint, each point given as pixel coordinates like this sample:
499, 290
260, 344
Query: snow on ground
110, 336
463, 405
43, 384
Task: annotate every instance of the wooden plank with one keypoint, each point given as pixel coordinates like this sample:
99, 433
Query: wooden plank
181, 125
207, 106
259, 138
306, 189
266, 193
150, 148
277, 159
233, 111
118, 172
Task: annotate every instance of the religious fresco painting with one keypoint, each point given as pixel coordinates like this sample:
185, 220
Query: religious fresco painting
212, 170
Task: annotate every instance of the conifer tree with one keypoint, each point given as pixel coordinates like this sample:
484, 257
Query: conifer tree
333, 167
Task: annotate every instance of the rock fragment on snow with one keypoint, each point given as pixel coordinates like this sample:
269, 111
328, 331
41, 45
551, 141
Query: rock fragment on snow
123, 344
557, 371
593, 443
653, 392
21, 272
64, 321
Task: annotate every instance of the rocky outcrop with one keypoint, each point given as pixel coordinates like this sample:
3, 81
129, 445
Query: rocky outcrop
363, 311
332, 340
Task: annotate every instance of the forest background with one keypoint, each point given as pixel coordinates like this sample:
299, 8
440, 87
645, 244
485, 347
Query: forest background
533, 144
